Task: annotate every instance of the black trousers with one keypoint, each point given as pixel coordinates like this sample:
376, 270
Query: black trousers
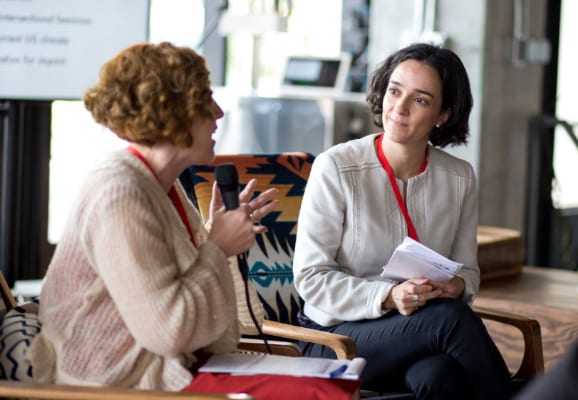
442, 351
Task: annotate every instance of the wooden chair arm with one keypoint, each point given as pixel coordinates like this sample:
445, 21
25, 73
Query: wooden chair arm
19, 390
278, 347
533, 359
342, 345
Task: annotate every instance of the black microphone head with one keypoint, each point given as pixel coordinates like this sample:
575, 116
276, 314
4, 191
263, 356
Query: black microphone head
227, 177
228, 182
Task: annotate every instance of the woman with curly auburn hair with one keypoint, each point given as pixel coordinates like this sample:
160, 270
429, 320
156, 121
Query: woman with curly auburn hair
367, 196
139, 290
152, 94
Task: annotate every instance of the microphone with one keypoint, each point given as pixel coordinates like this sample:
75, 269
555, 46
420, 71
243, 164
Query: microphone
228, 183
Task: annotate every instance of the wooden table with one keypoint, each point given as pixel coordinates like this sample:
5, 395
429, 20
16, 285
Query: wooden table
546, 294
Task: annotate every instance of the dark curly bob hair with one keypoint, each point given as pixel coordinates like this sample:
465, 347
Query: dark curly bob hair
151, 93
456, 92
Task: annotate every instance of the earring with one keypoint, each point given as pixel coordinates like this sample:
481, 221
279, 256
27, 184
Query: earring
438, 126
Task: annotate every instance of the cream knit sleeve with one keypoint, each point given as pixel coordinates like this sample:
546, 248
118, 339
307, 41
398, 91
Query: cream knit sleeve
246, 325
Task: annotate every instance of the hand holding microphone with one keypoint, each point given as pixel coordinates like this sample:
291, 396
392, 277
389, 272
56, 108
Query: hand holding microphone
259, 206
231, 230
235, 224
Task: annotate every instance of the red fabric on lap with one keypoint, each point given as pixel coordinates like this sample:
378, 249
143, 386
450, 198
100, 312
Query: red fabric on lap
275, 387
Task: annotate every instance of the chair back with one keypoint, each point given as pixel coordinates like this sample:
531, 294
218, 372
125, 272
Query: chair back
7, 299
270, 260
18, 326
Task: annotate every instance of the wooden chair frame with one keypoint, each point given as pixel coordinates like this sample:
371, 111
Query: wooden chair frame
533, 358
25, 390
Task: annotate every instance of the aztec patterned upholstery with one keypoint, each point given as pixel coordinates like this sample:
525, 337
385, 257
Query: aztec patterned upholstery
270, 260
18, 326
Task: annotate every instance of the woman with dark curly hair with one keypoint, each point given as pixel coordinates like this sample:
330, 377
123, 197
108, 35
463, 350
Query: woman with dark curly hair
139, 289
363, 198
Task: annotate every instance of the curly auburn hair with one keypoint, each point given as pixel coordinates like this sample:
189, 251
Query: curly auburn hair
151, 93
456, 91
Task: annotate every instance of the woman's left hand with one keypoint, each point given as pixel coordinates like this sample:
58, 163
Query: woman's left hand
259, 207
453, 288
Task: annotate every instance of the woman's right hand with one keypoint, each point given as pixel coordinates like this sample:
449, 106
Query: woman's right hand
408, 296
232, 230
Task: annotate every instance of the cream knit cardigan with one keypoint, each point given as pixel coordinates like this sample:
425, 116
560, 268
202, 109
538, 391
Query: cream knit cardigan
127, 298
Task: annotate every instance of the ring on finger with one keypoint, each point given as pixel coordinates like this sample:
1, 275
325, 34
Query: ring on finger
255, 220
416, 299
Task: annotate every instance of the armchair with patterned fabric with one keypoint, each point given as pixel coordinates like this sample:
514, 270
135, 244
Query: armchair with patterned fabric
270, 260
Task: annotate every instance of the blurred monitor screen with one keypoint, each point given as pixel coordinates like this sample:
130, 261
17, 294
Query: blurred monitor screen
53, 49
319, 73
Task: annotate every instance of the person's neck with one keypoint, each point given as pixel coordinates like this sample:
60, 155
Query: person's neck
163, 159
405, 160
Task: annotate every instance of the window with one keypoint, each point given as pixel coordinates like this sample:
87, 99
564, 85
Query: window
77, 141
565, 190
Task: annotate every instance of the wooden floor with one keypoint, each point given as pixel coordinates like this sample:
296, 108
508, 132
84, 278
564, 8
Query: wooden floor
548, 295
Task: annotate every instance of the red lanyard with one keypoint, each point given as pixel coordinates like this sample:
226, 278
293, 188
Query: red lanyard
174, 196
381, 155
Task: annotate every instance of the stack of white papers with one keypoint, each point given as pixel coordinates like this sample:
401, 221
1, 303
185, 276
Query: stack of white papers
412, 259
260, 363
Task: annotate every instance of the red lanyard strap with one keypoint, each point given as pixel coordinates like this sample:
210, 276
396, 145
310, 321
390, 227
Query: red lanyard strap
173, 195
411, 232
